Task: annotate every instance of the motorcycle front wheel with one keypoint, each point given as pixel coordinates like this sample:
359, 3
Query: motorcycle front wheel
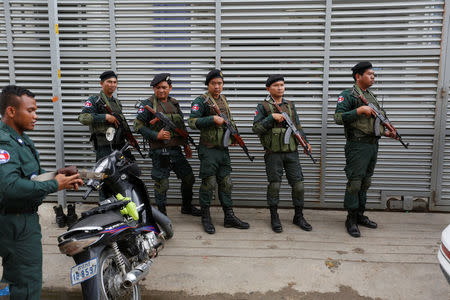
110, 278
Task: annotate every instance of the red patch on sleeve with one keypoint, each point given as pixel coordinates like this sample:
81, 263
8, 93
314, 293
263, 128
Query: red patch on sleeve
340, 99
256, 112
4, 156
87, 104
195, 107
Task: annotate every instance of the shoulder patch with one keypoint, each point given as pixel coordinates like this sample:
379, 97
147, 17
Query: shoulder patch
88, 103
256, 112
141, 109
195, 107
4, 156
340, 99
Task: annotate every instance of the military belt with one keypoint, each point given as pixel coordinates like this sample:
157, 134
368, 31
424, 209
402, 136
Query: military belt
365, 139
17, 211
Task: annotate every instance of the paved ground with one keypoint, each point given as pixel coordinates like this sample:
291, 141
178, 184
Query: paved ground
396, 261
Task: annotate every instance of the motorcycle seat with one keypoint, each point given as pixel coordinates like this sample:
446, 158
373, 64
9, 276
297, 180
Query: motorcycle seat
100, 219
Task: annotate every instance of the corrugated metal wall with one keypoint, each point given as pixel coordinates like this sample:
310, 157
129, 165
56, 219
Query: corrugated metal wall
313, 43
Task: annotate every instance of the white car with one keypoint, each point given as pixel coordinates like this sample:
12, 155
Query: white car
444, 253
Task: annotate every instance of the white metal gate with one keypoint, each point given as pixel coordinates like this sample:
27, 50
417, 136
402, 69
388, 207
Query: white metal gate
313, 43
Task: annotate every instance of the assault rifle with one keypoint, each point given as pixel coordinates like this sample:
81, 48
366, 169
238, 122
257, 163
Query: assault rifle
384, 120
168, 124
231, 130
128, 135
292, 129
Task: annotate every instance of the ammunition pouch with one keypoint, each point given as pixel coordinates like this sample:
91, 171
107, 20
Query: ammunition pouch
212, 136
274, 141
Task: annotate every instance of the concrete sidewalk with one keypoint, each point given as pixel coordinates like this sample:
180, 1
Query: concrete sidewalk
396, 261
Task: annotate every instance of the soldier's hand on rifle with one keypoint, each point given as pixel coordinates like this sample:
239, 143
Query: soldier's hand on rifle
187, 151
309, 149
219, 120
391, 134
365, 110
278, 117
163, 135
112, 120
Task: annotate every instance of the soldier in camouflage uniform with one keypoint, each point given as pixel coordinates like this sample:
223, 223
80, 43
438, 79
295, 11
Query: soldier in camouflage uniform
215, 164
95, 115
165, 149
268, 125
362, 131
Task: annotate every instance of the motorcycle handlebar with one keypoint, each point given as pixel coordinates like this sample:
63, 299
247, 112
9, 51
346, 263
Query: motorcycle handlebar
89, 190
125, 147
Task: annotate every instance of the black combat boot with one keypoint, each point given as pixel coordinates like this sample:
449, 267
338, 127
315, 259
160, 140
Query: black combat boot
230, 220
206, 220
61, 218
351, 223
162, 208
364, 220
71, 215
299, 220
275, 219
186, 206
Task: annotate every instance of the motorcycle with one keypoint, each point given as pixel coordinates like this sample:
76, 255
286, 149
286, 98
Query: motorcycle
115, 243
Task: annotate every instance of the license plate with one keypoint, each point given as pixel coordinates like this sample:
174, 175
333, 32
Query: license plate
84, 271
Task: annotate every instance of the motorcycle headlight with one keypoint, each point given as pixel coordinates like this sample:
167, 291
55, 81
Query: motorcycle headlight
101, 166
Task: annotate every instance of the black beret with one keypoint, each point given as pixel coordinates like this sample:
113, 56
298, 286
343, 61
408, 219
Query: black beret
361, 67
213, 74
107, 74
274, 78
161, 77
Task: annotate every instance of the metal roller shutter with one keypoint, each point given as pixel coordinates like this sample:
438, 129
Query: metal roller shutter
154, 37
441, 158
259, 38
5, 76
32, 69
85, 50
313, 43
402, 40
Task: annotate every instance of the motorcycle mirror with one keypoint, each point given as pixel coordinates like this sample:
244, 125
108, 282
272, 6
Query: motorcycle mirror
110, 133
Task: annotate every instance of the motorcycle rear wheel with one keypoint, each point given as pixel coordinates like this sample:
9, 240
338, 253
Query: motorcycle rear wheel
110, 279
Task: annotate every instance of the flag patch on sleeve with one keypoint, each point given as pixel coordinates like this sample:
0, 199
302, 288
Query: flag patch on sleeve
340, 99
87, 104
195, 107
4, 156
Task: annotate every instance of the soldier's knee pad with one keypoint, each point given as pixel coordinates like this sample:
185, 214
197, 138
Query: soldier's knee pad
354, 186
226, 184
273, 189
298, 189
162, 185
366, 184
209, 183
188, 180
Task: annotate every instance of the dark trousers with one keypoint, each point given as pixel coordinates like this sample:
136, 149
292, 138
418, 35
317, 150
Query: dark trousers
275, 163
215, 168
21, 251
361, 159
178, 164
